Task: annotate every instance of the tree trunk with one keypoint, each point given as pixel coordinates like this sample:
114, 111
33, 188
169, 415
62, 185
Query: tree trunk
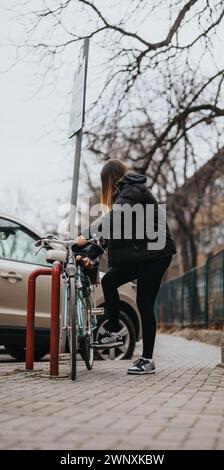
193, 248
184, 250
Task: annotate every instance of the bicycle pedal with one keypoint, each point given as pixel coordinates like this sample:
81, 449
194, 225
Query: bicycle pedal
97, 311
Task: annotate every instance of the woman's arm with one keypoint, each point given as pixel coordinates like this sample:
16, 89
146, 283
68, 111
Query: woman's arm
110, 218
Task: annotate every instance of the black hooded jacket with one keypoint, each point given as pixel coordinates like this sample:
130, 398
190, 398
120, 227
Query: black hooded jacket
131, 190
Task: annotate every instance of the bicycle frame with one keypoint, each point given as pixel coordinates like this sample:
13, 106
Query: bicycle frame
80, 280
78, 316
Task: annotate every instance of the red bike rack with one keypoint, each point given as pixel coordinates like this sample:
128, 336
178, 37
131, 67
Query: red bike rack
55, 273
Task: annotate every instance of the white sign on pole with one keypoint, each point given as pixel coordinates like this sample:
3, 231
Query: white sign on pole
78, 97
75, 129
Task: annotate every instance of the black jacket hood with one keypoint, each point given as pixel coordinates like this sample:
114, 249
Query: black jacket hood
132, 178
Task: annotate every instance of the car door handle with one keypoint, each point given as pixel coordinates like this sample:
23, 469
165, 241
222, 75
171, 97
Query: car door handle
13, 276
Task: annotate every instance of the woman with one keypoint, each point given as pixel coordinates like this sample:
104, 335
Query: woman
129, 259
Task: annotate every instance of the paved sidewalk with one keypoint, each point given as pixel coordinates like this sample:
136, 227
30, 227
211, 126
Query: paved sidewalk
181, 407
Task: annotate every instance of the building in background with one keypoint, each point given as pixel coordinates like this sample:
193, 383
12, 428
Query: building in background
200, 204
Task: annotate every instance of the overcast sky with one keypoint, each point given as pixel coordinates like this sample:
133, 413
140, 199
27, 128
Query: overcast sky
35, 166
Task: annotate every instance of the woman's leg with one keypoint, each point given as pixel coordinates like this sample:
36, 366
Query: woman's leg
148, 282
114, 278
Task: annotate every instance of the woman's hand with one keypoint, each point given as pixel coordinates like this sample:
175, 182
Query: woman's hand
86, 262
80, 240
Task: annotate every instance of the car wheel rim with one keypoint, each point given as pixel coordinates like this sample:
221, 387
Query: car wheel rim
114, 353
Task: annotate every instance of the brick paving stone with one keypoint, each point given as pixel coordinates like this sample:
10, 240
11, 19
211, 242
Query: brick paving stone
180, 407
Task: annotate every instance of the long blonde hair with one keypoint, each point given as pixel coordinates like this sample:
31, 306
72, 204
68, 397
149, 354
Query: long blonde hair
111, 173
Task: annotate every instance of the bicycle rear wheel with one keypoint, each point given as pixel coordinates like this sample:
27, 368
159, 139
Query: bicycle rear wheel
72, 332
86, 351
86, 339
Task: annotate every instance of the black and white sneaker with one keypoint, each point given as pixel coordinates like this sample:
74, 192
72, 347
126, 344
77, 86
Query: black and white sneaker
108, 340
142, 366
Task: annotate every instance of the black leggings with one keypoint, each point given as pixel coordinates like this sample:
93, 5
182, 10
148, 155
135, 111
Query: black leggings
149, 276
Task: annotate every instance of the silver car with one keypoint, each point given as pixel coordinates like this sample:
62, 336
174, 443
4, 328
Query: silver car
17, 261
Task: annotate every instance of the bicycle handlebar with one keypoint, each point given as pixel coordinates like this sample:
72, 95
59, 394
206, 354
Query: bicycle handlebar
67, 243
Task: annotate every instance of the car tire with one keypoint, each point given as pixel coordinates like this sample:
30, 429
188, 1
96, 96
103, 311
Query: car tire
19, 353
129, 336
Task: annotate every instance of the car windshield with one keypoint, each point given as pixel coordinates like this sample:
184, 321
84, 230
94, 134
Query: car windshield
17, 244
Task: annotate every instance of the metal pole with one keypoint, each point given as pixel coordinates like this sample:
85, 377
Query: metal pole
182, 303
55, 318
31, 314
207, 269
30, 322
223, 295
78, 146
193, 296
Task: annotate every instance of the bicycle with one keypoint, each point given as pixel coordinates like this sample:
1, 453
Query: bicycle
78, 317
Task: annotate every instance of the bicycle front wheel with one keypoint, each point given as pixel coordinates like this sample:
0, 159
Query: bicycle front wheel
72, 333
87, 352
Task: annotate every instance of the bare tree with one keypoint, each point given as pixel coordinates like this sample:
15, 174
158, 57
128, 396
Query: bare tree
172, 160
160, 103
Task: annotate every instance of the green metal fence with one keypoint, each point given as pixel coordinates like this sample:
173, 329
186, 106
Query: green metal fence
194, 299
